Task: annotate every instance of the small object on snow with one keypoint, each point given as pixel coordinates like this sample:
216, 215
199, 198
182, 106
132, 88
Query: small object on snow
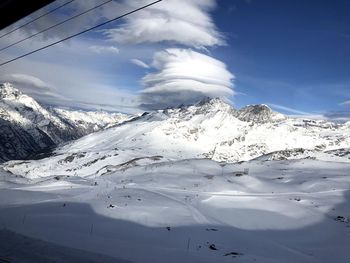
213, 247
111, 206
241, 173
95, 183
233, 254
138, 199
168, 228
211, 229
57, 178
64, 204
342, 219
297, 199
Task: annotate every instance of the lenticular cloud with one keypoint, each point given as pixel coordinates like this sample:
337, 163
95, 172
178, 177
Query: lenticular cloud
185, 22
183, 77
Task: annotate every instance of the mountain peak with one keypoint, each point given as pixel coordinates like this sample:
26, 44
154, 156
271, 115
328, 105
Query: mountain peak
256, 108
209, 100
7, 90
213, 104
258, 113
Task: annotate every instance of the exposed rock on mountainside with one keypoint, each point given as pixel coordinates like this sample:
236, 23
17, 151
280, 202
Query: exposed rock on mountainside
258, 114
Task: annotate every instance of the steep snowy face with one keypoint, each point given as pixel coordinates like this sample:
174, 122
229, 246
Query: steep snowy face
209, 129
258, 114
22, 109
27, 128
90, 121
206, 107
7, 91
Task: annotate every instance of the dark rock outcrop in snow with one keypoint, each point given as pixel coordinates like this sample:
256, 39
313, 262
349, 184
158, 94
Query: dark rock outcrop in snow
258, 113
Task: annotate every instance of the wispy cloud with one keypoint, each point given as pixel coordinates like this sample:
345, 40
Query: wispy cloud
288, 109
104, 49
26, 79
72, 85
334, 116
139, 63
345, 103
34, 87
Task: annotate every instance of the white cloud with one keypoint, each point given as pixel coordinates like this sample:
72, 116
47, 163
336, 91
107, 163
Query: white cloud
345, 103
91, 79
104, 49
184, 76
78, 86
139, 63
185, 22
33, 86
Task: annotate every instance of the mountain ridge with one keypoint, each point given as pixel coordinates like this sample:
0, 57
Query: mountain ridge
211, 130
27, 128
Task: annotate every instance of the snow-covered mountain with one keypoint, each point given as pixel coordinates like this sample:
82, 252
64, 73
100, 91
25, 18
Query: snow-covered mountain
158, 177
27, 128
210, 129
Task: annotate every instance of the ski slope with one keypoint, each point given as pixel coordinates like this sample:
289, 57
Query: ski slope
194, 210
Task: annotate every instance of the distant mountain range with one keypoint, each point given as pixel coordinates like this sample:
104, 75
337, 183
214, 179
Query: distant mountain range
28, 128
209, 129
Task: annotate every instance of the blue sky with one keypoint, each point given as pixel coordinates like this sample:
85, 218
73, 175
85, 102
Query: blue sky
291, 55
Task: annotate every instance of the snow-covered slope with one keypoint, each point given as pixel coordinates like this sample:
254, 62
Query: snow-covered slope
195, 211
27, 128
90, 121
210, 129
152, 189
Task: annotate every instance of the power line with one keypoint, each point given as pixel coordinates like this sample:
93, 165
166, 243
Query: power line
35, 19
56, 25
81, 32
